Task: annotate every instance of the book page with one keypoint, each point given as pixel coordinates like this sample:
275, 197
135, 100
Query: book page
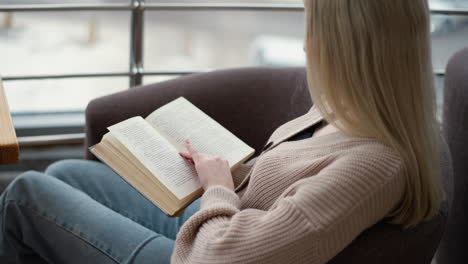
157, 155
180, 120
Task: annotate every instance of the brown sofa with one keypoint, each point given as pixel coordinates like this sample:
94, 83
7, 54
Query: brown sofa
252, 103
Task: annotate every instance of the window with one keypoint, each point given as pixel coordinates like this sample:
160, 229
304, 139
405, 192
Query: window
83, 47
205, 40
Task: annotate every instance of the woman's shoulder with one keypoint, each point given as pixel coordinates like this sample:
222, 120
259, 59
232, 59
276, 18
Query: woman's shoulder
353, 146
368, 145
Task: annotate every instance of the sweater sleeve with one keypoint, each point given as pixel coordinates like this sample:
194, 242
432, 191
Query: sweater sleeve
311, 222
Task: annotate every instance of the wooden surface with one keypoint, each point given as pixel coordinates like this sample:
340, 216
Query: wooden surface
9, 148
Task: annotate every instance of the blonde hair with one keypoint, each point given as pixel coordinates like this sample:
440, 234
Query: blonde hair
370, 74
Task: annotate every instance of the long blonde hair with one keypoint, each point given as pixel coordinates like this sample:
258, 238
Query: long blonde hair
370, 74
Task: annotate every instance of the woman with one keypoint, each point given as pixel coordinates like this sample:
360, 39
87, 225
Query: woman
303, 199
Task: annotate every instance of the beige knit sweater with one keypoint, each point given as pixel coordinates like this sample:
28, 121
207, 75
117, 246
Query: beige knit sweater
297, 202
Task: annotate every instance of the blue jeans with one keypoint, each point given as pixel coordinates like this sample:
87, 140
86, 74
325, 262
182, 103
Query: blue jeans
80, 211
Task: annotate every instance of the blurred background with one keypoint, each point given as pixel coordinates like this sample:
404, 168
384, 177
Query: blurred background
48, 54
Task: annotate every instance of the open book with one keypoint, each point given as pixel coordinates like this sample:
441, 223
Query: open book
9, 149
145, 152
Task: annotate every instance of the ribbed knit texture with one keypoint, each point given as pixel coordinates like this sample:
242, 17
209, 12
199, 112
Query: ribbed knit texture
297, 202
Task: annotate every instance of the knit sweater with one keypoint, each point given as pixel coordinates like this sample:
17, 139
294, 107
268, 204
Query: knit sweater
297, 202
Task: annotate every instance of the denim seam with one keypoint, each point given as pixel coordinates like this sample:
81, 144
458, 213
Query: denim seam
137, 250
49, 219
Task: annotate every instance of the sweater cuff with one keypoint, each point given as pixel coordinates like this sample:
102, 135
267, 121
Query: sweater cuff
219, 195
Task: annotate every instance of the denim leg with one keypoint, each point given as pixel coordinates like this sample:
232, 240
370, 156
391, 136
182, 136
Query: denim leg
47, 220
103, 185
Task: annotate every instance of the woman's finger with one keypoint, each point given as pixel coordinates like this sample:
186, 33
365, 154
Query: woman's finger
185, 154
187, 158
190, 149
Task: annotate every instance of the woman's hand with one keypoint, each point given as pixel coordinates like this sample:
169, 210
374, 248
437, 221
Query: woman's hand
211, 170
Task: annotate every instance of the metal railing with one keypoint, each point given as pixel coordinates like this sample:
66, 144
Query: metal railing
137, 8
